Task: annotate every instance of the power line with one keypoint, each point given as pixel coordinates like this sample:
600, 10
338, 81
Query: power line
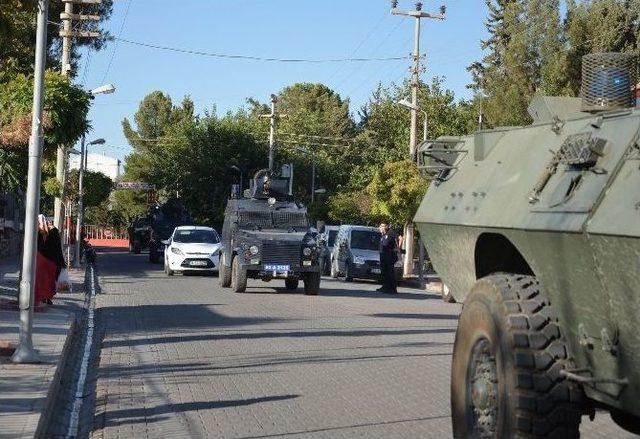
115, 46
258, 58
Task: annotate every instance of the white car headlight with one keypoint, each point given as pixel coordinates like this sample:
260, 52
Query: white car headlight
306, 251
358, 260
254, 250
176, 251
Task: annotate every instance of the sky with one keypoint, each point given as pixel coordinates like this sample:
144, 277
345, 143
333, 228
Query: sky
326, 29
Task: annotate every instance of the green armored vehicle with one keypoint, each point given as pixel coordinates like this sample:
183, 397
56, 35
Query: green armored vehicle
536, 230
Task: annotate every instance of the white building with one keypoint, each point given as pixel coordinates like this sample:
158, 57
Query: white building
109, 166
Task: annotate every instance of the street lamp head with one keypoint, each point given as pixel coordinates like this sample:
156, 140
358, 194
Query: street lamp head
235, 168
407, 104
98, 142
321, 191
104, 89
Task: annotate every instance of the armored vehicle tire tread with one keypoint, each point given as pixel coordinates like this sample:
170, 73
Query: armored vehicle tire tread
312, 284
291, 283
238, 277
508, 355
224, 273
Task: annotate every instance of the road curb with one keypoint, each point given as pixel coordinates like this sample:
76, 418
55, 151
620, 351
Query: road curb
49, 404
61, 368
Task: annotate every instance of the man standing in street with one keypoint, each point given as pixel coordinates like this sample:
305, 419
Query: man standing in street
388, 258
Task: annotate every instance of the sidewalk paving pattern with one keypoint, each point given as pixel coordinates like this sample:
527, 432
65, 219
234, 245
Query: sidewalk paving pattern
181, 357
27, 390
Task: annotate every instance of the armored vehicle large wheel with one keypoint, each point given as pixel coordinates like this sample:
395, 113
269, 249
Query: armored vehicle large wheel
224, 273
507, 359
312, 284
291, 283
238, 277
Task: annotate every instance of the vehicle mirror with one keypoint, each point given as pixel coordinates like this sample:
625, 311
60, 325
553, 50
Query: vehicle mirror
166, 242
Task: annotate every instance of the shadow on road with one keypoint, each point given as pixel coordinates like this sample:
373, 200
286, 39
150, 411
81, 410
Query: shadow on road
154, 414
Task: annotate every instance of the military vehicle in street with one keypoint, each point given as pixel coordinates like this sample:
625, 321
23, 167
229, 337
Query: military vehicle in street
157, 225
267, 235
536, 229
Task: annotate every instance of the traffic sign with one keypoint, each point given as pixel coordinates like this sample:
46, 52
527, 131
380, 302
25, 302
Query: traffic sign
136, 185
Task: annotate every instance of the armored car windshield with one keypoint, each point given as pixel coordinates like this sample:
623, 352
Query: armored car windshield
272, 220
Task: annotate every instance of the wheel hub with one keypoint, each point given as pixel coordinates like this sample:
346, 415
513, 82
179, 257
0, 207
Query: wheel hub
483, 388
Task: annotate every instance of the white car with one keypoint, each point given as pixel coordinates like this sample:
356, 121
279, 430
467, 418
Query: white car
192, 248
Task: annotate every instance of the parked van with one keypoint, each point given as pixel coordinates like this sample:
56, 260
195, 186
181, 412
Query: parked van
356, 254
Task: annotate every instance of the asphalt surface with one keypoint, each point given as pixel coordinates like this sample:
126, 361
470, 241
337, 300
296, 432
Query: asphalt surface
181, 357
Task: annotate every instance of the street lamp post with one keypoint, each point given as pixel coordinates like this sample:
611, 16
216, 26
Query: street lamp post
25, 353
80, 218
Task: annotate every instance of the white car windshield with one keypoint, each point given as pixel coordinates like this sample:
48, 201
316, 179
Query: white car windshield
196, 236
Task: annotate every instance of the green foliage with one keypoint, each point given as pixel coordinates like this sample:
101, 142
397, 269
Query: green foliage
65, 109
52, 187
350, 208
18, 29
97, 187
531, 50
397, 190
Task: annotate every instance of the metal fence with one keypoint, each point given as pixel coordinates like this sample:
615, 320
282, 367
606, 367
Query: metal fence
93, 232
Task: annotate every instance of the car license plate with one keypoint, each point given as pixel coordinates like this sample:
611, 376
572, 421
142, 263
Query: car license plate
277, 267
198, 263
375, 271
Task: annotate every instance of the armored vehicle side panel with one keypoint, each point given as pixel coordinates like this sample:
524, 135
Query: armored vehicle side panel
516, 201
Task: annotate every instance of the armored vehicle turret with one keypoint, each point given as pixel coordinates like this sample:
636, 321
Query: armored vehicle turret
156, 226
537, 230
267, 235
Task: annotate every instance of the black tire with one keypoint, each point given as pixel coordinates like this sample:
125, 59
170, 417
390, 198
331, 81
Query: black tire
627, 421
325, 266
238, 277
312, 284
170, 272
334, 270
224, 273
508, 355
137, 248
153, 254
348, 277
291, 283
446, 294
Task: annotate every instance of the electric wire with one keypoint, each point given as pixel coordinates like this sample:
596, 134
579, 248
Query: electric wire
115, 45
259, 58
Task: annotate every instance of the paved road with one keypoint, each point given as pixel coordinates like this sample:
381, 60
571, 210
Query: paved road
180, 357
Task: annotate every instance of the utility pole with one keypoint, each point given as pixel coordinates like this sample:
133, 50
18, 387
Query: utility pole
67, 34
273, 120
25, 352
418, 14
272, 130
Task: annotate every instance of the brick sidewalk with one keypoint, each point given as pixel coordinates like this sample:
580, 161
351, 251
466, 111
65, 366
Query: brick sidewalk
26, 391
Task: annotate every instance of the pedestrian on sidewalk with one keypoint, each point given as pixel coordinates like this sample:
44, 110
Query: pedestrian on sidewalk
49, 262
388, 258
